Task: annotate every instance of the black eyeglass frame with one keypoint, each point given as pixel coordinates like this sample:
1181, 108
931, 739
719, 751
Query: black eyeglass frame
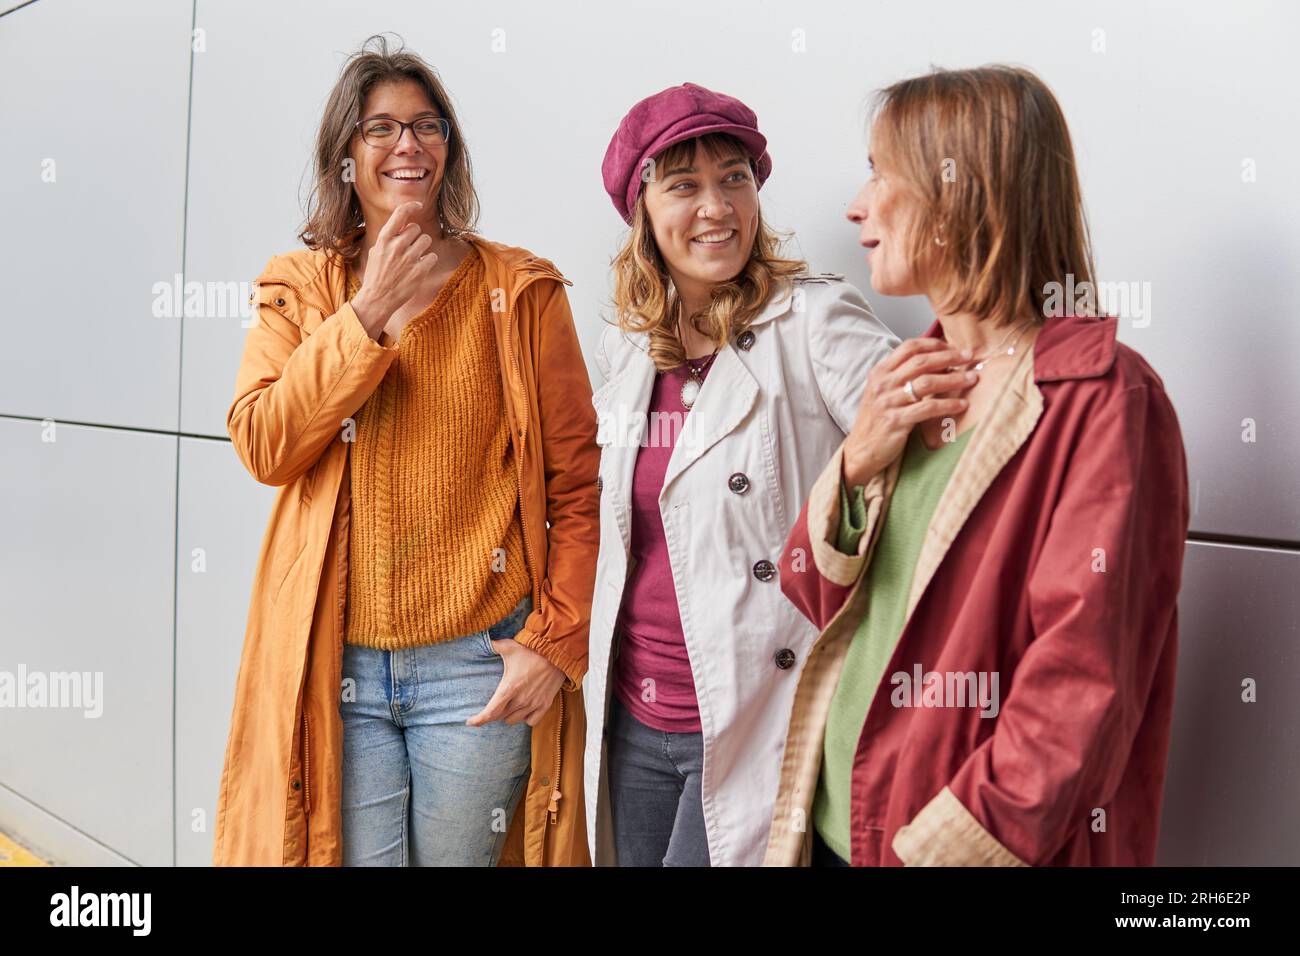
403, 127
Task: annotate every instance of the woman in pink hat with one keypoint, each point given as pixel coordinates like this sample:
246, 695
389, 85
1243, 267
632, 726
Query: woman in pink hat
730, 378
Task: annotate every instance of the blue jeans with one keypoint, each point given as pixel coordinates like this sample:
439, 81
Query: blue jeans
655, 793
420, 788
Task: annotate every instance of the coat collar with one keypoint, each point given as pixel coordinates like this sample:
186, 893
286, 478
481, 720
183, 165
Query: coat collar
511, 267
730, 391
623, 404
1069, 347
778, 304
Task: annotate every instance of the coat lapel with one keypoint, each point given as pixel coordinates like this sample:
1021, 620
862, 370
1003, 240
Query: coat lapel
727, 398
997, 438
729, 394
730, 391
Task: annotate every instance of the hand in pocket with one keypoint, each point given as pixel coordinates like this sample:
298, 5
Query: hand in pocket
526, 689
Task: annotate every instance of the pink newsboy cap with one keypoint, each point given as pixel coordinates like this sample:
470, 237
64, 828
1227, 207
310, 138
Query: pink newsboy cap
668, 117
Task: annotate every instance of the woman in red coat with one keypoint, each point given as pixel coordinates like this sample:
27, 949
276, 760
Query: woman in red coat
994, 552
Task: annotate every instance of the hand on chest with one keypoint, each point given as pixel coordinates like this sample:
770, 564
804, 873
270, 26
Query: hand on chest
936, 431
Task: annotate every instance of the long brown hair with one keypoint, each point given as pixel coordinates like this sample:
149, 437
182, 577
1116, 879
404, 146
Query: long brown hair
644, 300
1000, 215
334, 220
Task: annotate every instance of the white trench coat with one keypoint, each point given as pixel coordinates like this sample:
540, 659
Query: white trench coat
776, 404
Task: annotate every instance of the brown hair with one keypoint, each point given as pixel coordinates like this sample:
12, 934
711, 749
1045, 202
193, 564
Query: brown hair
988, 155
334, 220
643, 298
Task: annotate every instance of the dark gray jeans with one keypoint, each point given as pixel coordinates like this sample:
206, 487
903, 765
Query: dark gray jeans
823, 855
654, 792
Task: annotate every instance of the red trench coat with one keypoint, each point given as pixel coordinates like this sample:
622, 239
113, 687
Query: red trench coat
1053, 560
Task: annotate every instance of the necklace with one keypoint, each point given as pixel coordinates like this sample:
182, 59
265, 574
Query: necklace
691, 387
997, 350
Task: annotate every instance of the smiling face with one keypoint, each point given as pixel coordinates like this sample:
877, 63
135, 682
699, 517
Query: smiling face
884, 212
703, 212
388, 176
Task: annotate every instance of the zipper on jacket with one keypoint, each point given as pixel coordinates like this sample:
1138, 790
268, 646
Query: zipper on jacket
341, 556
553, 805
523, 431
306, 762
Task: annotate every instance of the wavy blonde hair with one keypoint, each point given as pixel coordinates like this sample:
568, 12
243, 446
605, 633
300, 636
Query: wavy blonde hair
644, 297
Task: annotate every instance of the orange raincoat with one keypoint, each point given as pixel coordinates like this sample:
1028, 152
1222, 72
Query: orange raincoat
308, 366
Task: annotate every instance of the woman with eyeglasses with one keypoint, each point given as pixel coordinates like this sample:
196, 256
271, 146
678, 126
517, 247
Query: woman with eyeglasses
409, 691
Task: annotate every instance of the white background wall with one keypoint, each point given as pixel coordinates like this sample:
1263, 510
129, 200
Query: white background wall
173, 161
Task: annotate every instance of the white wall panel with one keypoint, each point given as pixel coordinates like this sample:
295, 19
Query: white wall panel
94, 94
86, 576
1182, 120
1161, 139
223, 514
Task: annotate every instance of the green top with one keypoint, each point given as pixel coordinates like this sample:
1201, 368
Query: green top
922, 478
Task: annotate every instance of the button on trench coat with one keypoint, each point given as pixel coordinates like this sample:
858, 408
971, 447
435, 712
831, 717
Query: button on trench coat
777, 402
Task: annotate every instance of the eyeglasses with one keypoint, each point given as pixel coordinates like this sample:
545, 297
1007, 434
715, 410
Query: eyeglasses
384, 132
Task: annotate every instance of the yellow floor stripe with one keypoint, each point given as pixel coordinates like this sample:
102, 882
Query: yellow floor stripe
11, 854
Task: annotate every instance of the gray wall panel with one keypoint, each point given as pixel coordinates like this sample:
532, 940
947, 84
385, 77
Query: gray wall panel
1161, 141
1233, 777
1169, 105
86, 587
223, 515
101, 90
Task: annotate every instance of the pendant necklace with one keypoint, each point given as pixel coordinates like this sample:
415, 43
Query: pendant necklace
691, 387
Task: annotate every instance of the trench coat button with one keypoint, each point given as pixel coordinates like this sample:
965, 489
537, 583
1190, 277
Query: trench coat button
746, 340
279, 301
297, 785
784, 658
765, 570
546, 781
739, 483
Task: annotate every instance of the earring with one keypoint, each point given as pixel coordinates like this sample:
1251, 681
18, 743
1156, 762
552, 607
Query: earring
939, 242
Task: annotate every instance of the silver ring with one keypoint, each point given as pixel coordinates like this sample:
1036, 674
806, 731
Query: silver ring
911, 393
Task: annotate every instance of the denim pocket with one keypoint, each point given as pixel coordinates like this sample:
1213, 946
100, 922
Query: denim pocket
510, 625
485, 642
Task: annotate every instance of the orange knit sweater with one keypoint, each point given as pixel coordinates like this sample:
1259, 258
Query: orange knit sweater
436, 547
